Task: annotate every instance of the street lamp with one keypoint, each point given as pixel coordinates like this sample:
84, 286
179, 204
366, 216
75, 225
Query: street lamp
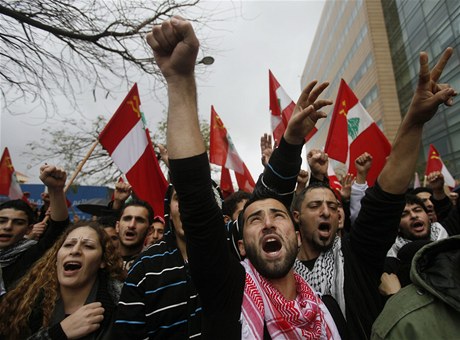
208, 60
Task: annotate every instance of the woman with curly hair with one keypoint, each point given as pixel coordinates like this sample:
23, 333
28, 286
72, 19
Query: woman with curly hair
70, 293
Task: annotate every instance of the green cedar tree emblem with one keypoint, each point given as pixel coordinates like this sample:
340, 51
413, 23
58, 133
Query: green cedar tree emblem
353, 127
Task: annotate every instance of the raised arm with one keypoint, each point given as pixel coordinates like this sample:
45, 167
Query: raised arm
318, 161
400, 166
54, 178
280, 174
175, 48
266, 148
376, 226
121, 194
363, 164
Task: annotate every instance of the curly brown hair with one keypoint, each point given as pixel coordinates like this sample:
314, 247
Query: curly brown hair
16, 306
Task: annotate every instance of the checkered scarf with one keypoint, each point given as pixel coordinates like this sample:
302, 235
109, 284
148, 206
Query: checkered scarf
437, 233
327, 275
306, 317
10, 254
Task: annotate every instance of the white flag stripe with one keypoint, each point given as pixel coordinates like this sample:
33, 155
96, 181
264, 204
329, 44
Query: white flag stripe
318, 141
233, 160
275, 120
448, 179
15, 191
358, 111
284, 99
131, 148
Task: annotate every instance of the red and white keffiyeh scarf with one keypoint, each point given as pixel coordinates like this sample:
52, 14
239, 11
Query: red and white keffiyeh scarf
306, 317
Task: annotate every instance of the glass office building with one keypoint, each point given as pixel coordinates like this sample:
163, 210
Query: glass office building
374, 46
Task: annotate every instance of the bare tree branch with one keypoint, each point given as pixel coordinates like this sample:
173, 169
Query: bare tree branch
58, 47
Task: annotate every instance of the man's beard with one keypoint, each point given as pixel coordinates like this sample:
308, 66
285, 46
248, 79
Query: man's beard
138, 244
273, 270
322, 247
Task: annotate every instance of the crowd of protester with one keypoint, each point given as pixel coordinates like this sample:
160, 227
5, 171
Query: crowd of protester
294, 259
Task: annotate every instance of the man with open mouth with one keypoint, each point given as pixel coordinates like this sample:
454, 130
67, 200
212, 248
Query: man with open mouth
133, 226
261, 296
349, 268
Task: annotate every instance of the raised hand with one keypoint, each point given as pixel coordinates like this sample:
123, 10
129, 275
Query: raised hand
345, 191
429, 94
120, 195
266, 148
302, 180
435, 181
52, 176
174, 46
306, 113
83, 321
363, 164
318, 161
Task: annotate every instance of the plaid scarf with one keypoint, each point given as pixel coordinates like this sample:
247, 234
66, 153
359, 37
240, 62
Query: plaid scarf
306, 317
437, 232
327, 275
9, 255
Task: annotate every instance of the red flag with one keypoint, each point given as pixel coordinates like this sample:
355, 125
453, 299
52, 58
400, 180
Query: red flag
128, 143
226, 184
435, 163
334, 182
281, 108
244, 180
353, 132
9, 185
222, 152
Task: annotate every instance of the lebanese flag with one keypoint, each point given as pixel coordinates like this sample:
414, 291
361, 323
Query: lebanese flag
9, 185
128, 143
435, 163
226, 185
244, 180
353, 132
222, 152
281, 109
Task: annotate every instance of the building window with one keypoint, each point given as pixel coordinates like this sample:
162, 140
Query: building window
370, 97
361, 71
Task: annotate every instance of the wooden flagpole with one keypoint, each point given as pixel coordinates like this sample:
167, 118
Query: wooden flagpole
80, 166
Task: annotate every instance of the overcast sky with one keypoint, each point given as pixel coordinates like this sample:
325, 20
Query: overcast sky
255, 37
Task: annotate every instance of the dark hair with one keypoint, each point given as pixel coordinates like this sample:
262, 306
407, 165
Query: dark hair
20, 205
230, 203
299, 198
239, 224
412, 199
109, 255
421, 189
41, 284
138, 203
107, 221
